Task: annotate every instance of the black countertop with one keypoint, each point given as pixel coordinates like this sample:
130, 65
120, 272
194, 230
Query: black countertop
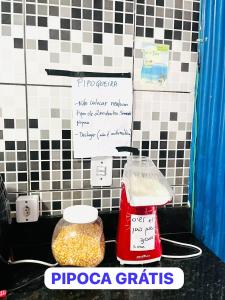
204, 277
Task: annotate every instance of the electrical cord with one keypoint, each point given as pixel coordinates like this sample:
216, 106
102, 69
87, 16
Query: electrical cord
185, 245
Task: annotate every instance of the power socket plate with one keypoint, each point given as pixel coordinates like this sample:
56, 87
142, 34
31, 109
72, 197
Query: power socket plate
27, 209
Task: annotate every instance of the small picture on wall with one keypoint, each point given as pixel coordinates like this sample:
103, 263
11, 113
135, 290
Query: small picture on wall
155, 63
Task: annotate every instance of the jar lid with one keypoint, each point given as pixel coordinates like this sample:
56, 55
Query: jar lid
80, 214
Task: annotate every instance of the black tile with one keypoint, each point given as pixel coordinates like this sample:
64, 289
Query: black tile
9, 145
17, 8
177, 24
56, 144
22, 176
76, 24
194, 26
31, 20
162, 163
150, 10
195, 16
160, 2
180, 153
149, 32
34, 186
136, 125
34, 155
139, 1
163, 144
163, 171
97, 15
154, 144
118, 6
10, 167
33, 123
162, 154
44, 145
98, 4
76, 13
194, 47
118, 17
139, 31
140, 9
97, 39
163, 135
171, 154
188, 145
66, 154
116, 164
128, 18
184, 67
18, 43
56, 205
66, 144
45, 165
87, 59
53, 10
140, 21
115, 202
128, 51
66, 134
180, 145
108, 28
168, 34
159, 22
186, 25
173, 116
21, 145
5, 6
34, 176
9, 123
97, 27
6, 19
87, 14
194, 36
42, 21
188, 135
196, 6
177, 35
87, 164
66, 174
66, 165
42, 45
145, 144
118, 29
65, 23
96, 202
45, 155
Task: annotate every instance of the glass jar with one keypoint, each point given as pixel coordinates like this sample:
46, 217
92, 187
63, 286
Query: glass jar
78, 238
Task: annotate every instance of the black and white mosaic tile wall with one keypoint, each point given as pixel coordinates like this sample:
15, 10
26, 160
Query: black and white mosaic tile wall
101, 36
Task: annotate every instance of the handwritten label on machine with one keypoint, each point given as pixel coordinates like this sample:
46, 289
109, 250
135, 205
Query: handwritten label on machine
142, 232
102, 115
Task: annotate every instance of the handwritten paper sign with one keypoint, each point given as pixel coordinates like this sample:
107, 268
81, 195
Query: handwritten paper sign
102, 115
142, 232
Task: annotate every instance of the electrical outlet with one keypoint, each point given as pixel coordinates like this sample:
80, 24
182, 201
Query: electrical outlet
27, 208
101, 171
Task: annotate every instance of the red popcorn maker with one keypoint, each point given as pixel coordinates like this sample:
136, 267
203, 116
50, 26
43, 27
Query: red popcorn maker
143, 189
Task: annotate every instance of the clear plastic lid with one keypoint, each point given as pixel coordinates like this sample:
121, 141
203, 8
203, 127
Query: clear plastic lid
80, 214
145, 184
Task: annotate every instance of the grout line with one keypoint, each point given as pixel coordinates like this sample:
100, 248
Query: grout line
26, 98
